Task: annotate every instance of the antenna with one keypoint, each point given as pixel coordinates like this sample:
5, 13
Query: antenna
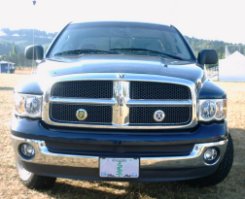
33, 40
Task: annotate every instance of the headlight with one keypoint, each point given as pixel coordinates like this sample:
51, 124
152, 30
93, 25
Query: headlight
212, 109
28, 105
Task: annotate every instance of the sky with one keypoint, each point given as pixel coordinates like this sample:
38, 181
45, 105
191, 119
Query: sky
204, 19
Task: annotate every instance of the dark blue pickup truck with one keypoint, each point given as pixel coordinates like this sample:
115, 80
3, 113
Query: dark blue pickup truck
121, 101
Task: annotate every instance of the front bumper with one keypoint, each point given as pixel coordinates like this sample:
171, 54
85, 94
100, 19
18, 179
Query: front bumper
43, 156
151, 168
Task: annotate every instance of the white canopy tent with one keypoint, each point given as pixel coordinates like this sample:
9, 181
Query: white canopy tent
232, 68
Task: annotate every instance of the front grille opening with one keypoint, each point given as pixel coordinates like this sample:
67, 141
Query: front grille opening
115, 150
83, 89
159, 91
66, 113
173, 116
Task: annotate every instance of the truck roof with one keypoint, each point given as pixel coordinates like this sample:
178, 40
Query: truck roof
123, 23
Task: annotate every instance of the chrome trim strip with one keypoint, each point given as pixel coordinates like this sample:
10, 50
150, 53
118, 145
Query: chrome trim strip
62, 100
167, 103
43, 156
120, 79
130, 102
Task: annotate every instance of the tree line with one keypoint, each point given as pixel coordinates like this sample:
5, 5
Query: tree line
220, 46
13, 53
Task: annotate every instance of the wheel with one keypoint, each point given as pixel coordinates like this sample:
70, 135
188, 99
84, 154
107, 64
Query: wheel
222, 171
34, 181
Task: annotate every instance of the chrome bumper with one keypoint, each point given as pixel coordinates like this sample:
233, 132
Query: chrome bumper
43, 156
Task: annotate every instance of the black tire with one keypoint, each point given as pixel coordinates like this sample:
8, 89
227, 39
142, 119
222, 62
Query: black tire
222, 171
34, 181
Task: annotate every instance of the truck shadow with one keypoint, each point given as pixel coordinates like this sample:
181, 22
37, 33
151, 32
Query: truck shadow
126, 190
6, 88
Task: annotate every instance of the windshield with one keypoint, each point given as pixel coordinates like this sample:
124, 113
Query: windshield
120, 38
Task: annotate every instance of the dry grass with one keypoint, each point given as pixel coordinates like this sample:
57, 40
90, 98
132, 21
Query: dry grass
24, 70
232, 187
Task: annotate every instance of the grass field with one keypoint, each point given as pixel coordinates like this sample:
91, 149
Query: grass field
232, 188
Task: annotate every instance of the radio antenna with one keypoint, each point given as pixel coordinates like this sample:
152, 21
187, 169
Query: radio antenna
33, 39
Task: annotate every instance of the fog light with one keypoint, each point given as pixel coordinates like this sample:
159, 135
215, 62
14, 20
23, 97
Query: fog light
211, 155
27, 151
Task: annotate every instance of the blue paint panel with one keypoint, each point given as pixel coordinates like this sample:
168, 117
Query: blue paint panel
33, 129
29, 87
210, 90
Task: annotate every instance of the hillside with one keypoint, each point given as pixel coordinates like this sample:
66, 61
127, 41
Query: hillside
220, 46
24, 37
13, 42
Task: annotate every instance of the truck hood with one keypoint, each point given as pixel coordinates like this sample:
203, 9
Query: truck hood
149, 65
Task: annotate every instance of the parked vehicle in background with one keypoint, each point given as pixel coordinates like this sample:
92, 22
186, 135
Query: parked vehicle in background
121, 101
7, 67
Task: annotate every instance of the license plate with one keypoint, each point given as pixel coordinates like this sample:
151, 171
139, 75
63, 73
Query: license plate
119, 167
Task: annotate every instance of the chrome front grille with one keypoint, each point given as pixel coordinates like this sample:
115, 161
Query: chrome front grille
120, 101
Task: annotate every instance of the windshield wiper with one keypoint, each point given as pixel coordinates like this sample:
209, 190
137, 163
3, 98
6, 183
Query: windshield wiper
84, 51
150, 52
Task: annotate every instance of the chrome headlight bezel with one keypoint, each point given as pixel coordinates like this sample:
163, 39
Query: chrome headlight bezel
218, 106
28, 105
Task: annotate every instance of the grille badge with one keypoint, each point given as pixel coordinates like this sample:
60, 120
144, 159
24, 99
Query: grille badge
121, 76
81, 114
159, 116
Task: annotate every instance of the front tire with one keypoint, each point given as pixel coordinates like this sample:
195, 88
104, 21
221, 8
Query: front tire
34, 181
222, 171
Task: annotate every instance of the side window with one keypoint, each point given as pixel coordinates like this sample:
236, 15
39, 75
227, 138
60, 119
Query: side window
181, 48
65, 42
173, 44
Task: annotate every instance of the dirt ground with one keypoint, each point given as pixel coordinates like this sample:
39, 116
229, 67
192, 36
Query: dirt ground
233, 187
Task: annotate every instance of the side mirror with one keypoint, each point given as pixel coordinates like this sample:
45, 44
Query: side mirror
35, 52
207, 56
